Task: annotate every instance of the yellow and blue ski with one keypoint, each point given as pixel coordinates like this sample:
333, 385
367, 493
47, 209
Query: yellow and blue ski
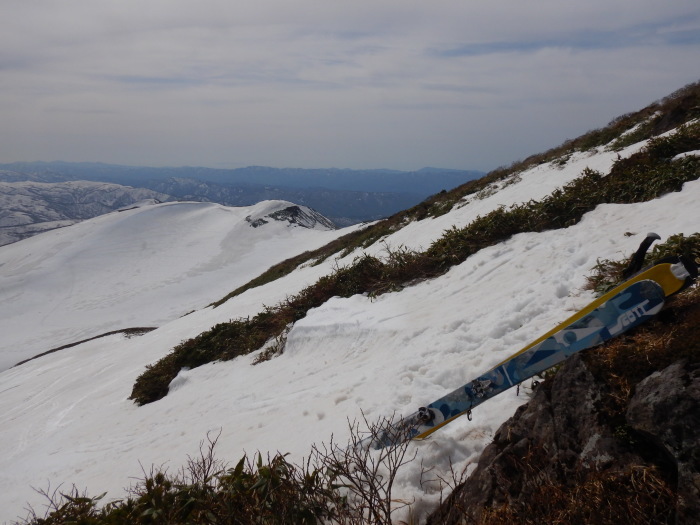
628, 305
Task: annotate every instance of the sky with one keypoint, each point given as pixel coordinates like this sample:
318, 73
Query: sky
313, 84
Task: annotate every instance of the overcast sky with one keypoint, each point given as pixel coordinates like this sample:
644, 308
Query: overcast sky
402, 84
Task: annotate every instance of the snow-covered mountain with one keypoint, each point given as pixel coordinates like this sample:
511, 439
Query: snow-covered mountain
66, 417
30, 207
141, 267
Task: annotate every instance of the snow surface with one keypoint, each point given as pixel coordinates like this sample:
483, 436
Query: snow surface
65, 418
144, 266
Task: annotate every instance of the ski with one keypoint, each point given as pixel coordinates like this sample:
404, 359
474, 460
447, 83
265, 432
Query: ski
628, 305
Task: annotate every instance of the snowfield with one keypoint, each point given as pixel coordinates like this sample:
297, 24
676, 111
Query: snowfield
65, 417
144, 266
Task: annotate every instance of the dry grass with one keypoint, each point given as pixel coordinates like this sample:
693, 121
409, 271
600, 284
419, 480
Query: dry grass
637, 495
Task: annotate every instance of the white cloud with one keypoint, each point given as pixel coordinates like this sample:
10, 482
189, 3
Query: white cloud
398, 84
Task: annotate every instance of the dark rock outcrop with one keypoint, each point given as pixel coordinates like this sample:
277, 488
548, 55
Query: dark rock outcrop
561, 457
666, 409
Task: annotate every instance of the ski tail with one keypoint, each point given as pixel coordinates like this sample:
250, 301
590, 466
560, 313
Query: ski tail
683, 268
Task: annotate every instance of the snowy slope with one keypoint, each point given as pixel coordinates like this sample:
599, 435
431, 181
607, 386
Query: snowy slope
65, 418
136, 268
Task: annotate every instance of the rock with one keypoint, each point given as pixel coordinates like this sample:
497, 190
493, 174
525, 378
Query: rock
666, 409
560, 447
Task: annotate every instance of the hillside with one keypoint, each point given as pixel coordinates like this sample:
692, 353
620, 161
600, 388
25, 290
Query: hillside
392, 316
141, 267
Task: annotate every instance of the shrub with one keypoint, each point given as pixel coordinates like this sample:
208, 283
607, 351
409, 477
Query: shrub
345, 486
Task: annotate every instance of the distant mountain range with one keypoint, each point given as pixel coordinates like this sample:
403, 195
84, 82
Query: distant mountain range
344, 196
424, 181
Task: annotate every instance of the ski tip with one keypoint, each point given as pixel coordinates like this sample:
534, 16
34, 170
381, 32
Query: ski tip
655, 236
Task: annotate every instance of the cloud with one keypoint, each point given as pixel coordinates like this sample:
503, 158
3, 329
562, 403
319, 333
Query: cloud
667, 33
312, 83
